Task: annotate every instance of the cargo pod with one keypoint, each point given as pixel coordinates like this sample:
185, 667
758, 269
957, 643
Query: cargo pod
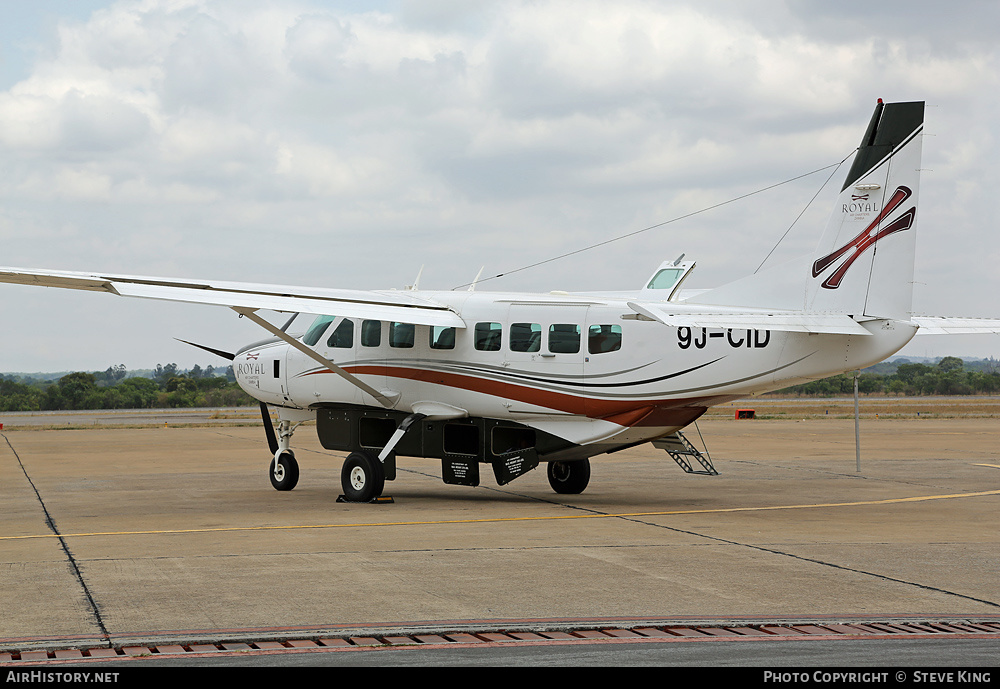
461, 444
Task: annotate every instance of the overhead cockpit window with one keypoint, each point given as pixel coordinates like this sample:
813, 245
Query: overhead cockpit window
604, 338
564, 338
442, 337
401, 335
525, 337
317, 329
665, 279
342, 336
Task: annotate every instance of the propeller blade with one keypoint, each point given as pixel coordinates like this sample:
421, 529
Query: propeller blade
218, 352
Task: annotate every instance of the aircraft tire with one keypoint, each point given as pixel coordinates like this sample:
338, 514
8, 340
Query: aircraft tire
362, 478
284, 472
569, 478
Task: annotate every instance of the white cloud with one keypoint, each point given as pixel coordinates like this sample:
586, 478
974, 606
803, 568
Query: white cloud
295, 142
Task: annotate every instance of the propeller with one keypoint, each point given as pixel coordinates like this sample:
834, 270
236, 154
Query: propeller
218, 352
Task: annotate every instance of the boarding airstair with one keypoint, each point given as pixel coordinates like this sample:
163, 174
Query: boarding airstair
681, 451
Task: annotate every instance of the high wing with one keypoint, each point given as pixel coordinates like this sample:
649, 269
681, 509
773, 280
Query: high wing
948, 325
381, 305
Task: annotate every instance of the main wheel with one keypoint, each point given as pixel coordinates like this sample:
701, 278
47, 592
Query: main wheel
569, 477
362, 478
284, 471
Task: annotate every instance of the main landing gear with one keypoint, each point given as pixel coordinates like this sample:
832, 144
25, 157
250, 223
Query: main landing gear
362, 478
569, 478
363, 475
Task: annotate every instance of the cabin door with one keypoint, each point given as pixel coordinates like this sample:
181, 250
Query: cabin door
543, 363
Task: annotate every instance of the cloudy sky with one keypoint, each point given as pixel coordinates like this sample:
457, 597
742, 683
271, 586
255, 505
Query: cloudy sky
347, 144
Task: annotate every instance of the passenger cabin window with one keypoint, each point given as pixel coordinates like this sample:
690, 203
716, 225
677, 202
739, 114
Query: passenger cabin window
564, 338
525, 337
401, 335
604, 338
342, 336
317, 329
488, 337
371, 333
442, 337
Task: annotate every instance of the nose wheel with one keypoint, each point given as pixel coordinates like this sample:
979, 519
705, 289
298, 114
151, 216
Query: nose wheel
284, 471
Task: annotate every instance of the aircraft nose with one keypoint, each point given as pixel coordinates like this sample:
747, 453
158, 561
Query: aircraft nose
258, 373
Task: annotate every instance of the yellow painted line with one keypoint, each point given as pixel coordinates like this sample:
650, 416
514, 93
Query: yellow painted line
229, 529
995, 466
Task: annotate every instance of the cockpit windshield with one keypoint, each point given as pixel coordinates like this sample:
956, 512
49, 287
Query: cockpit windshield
317, 329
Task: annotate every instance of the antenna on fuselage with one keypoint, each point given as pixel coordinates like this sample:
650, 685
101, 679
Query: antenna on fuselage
416, 281
472, 287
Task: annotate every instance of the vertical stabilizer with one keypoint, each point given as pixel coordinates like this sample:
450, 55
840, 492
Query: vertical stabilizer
864, 262
863, 265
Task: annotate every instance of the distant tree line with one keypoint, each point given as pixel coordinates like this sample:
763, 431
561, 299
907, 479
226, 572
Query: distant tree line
115, 389
168, 387
949, 376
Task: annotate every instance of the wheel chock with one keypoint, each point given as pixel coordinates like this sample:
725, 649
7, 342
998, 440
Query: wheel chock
380, 500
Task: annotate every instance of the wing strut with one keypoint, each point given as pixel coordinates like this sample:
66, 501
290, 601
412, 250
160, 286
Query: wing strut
386, 398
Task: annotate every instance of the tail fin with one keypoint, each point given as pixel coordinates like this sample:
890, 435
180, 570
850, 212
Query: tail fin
864, 262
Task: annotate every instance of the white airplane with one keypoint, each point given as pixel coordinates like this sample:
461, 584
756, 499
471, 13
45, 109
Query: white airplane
515, 379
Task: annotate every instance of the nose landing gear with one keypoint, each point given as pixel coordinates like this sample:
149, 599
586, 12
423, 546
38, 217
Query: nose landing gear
284, 470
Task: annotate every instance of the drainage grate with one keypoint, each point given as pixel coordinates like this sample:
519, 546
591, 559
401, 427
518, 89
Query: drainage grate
958, 629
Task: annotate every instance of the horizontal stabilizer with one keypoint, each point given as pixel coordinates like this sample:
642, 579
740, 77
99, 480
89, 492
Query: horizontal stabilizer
388, 305
785, 321
944, 325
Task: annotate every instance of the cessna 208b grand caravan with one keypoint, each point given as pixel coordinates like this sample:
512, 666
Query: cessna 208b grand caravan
513, 379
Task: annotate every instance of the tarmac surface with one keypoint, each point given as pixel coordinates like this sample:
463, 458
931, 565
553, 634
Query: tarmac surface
118, 537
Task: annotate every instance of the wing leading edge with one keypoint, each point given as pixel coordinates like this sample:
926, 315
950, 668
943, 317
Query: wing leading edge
381, 305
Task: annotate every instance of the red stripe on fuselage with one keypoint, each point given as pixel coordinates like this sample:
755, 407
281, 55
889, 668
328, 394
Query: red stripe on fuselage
655, 412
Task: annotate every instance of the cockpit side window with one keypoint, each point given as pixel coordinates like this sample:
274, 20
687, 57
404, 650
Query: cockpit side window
342, 336
317, 329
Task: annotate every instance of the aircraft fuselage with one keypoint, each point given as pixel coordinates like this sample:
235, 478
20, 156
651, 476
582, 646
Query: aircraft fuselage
588, 370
